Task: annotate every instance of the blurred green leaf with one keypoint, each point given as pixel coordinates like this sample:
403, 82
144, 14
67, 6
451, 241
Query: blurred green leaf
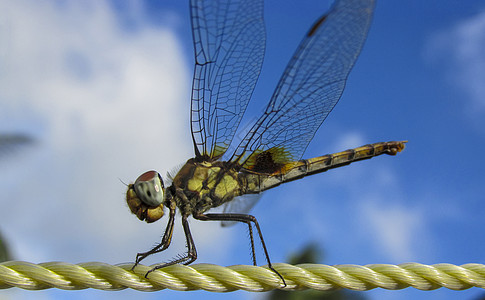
11, 142
312, 254
4, 252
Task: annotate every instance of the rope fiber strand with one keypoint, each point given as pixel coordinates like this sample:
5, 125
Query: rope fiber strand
216, 278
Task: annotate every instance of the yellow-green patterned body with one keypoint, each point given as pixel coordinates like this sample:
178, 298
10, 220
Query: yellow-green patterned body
205, 185
199, 186
299, 169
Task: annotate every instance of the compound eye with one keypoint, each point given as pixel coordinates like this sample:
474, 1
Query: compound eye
149, 188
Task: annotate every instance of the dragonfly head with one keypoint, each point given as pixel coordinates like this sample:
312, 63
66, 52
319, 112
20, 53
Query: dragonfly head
145, 197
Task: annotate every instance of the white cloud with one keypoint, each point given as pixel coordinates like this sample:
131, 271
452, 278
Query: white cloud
460, 49
397, 229
349, 140
104, 103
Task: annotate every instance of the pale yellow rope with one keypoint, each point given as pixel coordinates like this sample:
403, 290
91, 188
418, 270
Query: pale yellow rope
215, 278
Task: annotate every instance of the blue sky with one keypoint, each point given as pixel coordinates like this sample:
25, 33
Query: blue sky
104, 89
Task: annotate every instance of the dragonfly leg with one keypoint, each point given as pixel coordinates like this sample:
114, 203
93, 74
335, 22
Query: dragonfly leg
253, 253
166, 239
248, 219
191, 255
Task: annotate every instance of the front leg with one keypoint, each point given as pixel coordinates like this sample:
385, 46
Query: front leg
191, 255
166, 239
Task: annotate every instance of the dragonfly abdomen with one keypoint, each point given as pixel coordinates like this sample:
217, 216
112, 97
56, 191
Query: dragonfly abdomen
299, 169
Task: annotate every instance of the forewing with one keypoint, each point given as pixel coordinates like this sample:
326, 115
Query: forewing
229, 41
309, 88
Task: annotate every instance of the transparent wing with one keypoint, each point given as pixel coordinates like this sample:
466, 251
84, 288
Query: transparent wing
241, 205
309, 88
229, 41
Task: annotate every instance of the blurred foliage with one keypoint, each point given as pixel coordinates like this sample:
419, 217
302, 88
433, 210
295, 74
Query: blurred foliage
312, 254
4, 252
9, 143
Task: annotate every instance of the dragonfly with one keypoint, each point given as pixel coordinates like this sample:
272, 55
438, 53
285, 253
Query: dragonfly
229, 43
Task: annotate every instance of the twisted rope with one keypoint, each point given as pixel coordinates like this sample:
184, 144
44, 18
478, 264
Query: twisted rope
215, 278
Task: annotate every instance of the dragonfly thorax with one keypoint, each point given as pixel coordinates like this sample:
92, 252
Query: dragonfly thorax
201, 185
146, 196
